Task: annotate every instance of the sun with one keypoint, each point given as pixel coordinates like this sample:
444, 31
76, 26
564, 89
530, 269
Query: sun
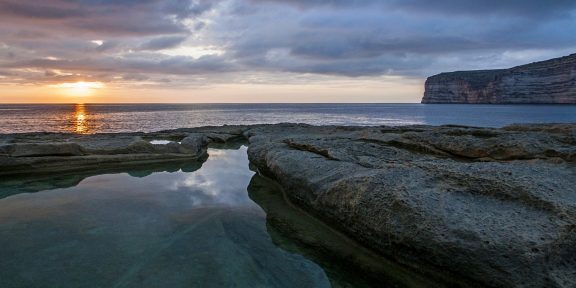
79, 89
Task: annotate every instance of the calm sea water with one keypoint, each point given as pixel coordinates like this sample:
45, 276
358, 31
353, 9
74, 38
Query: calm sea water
211, 224
94, 118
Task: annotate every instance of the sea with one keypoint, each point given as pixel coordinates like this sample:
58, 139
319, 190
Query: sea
110, 118
209, 223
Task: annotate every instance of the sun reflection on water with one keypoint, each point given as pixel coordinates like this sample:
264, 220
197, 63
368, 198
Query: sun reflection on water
80, 120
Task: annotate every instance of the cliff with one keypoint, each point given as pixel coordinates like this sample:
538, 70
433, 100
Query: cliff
547, 82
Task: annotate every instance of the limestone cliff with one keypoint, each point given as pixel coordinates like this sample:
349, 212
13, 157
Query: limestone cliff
547, 82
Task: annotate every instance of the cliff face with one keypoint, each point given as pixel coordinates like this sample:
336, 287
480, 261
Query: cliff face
551, 81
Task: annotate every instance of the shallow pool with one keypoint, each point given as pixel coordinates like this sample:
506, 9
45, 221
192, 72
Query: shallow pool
211, 224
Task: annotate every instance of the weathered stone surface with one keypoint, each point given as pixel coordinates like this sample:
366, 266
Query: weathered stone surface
49, 153
495, 205
346, 263
31, 153
552, 81
194, 144
44, 149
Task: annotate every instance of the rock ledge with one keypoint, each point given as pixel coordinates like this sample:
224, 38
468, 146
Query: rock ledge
494, 206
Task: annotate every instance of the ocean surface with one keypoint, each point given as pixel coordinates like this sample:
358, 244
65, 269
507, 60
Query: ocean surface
96, 118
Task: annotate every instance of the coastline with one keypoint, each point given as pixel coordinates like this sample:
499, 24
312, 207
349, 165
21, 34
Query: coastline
493, 205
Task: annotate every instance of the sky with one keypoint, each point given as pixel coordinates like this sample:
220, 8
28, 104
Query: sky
187, 51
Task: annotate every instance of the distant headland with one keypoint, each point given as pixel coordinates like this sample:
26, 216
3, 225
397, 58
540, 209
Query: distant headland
546, 82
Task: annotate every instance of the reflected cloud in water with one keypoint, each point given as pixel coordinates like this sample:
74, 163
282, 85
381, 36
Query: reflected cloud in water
175, 225
221, 181
210, 186
175, 229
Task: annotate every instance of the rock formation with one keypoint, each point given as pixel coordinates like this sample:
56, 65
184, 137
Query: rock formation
34, 153
546, 82
495, 207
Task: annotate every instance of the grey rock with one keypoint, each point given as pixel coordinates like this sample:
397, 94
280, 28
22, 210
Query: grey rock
551, 81
5, 149
116, 144
45, 149
171, 147
497, 206
194, 144
494, 206
50, 153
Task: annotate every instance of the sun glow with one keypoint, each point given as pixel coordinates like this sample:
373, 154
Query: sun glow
80, 121
79, 88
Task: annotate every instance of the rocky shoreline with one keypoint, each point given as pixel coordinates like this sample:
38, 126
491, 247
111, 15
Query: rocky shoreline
494, 206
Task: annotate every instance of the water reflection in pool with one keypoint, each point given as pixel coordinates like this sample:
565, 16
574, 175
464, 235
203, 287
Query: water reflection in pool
154, 228
163, 230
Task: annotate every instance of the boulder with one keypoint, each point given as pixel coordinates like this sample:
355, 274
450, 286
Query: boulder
195, 144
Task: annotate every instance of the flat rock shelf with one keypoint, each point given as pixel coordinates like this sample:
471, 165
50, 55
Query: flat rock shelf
458, 205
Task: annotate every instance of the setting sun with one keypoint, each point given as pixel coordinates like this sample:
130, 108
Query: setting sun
79, 88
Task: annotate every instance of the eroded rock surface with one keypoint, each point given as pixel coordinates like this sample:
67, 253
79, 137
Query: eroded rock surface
32, 153
497, 206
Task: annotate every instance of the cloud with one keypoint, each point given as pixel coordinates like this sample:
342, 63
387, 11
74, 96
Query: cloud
181, 41
102, 17
509, 7
352, 38
185, 8
133, 63
44, 10
163, 43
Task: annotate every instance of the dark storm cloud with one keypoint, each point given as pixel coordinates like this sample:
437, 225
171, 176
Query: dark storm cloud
49, 9
369, 46
135, 63
106, 17
185, 8
363, 38
135, 77
129, 39
384, 65
163, 43
511, 7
